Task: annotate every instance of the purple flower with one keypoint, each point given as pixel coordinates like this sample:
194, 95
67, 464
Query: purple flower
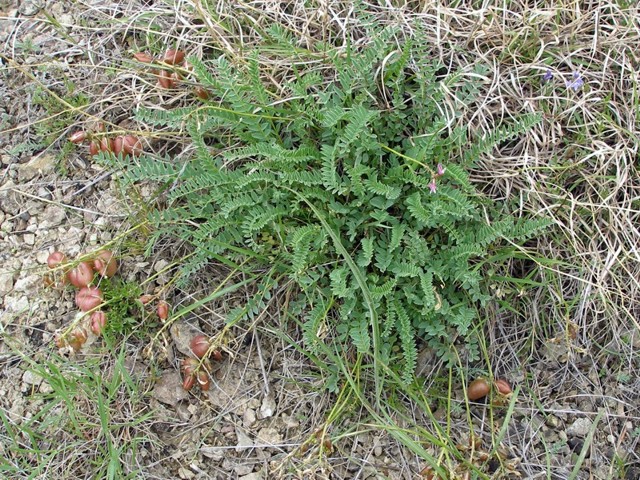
576, 82
441, 170
547, 76
432, 185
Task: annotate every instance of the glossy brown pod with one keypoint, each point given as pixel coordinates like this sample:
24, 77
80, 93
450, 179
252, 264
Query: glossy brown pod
117, 145
94, 148
163, 310
132, 145
477, 389
106, 144
105, 263
98, 321
78, 137
502, 386
173, 57
202, 93
143, 57
200, 345
55, 258
88, 298
81, 275
164, 79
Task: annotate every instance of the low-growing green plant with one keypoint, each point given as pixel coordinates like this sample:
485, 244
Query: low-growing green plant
354, 185
123, 309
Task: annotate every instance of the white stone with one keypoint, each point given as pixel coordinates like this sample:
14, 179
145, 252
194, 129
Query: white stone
168, 388
252, 476
248, 418
580, 428
42, 256
244, 442
29, 238
53, 216
16, 303
269, 436
6, 282
268, 407
31, 378
27, 284
41, 164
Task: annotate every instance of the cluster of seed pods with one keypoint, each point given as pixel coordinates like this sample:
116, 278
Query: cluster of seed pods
99, 142
198, 369
88, 297
169, 79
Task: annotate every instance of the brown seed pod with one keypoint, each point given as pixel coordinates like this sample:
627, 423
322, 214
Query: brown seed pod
164, 79
216, 355
202, 93
189, 368
173, 57
146, 298
88, 298
143, 57
188, 382
478, 389
163, 310
60, 341
203, 380
106, 144
98, 321
81, 275
502, 386
200, 345
100, 127
94, 148
56, 258
132, 145
117, 145
78, 137
77, 338
105, 263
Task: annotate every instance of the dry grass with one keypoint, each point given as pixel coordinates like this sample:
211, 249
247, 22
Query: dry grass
573, 345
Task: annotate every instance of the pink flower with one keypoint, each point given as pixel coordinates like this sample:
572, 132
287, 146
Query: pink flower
432, 185
441, 170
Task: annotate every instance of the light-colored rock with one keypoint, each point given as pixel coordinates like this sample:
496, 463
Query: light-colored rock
160, 265
252, 476
6, 282
185, 473
580, 428
552, 421
10, 201
248, 418
268, 407
16, 303
183, 412
269, 436
31, 378
108, 203
169, 389
214, 453
41, 164
182, 332
53, 216
244, 442
42, 256
27, 284
241, 469
29, 238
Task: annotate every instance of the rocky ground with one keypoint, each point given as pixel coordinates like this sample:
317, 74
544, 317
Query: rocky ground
265, 413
